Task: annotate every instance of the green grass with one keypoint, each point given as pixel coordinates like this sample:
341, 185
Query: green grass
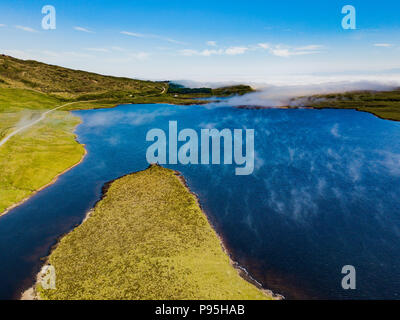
18, 105
176, 89
68, 83
157, 243
383, 104
32, 159
146, 239
232, 90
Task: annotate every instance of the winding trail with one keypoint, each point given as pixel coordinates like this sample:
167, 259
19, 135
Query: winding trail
43, 115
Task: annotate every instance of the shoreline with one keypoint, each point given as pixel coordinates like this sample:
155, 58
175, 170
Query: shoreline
32, 294
54, 180
242, 271
245, 107
254, 107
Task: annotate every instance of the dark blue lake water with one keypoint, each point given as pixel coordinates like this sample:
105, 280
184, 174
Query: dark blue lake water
324, 194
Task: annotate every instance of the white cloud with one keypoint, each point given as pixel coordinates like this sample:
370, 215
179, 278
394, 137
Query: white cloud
236, 50
97, 49
2, 25
170, 40
51, 53
383, 45
83, 29
211, 43
133, 34
208, 52
16, 53
281, 52
205, 53
153, 36
27, 29
189, 52
310, 47
287, 52
75, 54
117, 49
264, 45
139, 55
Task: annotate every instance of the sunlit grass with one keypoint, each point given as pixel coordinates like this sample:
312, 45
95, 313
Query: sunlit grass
146, 239
32, 159
384, 104
18, 105
67, 83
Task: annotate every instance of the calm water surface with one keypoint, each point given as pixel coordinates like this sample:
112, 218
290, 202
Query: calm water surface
325, 193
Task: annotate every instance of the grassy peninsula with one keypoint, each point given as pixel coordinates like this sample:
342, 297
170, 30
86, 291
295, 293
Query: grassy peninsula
383, 104
146, 239
32, 159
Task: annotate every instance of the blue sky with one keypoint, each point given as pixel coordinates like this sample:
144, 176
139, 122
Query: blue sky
209, 41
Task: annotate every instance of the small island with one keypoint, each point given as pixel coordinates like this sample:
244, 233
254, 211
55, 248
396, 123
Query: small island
147, 238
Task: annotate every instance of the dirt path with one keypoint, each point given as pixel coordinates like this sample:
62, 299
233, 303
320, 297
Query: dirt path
44, 114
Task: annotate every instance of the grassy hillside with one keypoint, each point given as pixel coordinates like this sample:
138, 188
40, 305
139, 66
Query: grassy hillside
18, 105
32, 158
146, 239
384, 104
67, 83
228, 91
219, 92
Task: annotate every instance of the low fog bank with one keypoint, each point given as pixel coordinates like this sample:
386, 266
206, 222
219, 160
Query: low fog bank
282, 95
278, 91
209, 84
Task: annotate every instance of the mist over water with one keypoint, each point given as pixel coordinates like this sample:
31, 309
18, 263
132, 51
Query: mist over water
324, 194
281, 93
